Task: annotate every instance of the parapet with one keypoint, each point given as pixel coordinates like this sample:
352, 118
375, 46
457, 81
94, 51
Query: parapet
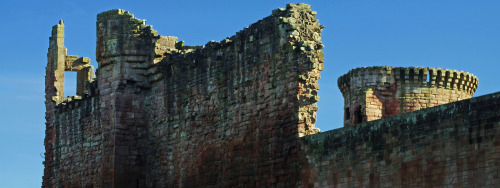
372, 93
413, 77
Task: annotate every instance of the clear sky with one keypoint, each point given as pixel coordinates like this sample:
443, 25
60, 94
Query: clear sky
453, 34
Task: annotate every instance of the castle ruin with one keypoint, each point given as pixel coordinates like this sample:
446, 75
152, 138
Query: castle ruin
241, 112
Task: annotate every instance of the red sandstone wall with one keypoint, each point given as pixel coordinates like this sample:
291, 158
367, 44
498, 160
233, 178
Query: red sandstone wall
78, 144
228, 114
454, 144
125, 49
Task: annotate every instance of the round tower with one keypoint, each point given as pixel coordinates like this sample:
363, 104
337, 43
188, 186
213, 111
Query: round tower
371, 93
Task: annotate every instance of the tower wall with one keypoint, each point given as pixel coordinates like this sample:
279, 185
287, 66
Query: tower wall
371, 93
124, 52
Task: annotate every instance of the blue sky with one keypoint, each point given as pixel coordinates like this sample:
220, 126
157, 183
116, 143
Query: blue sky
458, 34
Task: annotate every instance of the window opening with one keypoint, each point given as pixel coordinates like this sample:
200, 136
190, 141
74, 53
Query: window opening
69, 83
346, 114
358, 116
429, 76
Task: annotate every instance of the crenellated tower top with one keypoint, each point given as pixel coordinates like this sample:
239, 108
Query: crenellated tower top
372, 93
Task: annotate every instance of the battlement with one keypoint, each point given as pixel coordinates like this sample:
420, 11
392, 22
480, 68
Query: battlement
113, 12
412, 77
382, 91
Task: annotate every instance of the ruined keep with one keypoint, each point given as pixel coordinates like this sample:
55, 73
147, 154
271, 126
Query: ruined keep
240, 113
371, 93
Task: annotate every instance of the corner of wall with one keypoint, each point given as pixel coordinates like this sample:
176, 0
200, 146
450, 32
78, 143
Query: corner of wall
303, 32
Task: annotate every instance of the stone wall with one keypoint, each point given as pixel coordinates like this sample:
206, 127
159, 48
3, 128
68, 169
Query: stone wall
73, 133
224, 114
78, 144
371, 93
454, 144
228, 114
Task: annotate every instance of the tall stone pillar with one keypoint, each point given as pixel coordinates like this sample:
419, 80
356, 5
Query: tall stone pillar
56, 58
54, 94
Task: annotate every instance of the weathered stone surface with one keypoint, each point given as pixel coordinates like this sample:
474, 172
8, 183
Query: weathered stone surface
240, 113
371, 93
451, 145
166, 114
